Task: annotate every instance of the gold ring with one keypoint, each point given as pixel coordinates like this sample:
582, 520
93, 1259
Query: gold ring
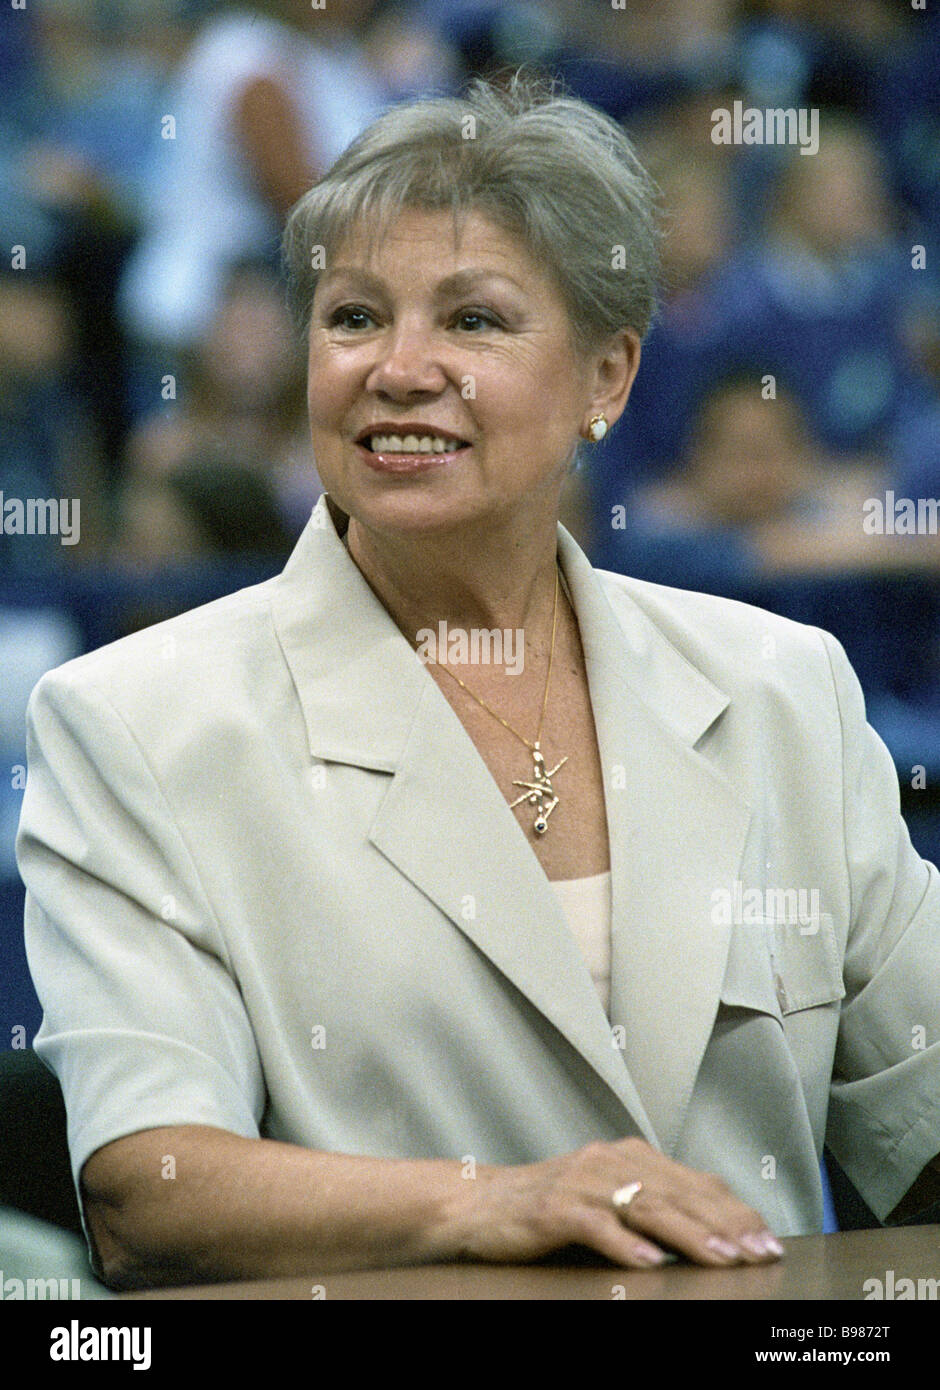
625, 1195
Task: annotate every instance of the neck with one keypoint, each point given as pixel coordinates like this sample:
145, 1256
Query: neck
502, 581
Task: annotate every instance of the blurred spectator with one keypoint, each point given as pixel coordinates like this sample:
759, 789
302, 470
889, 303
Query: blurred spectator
206, 510
76, 109
72, 151
873, 58
682, 41
100, 68
756, 496
408, 50
824, 301
750, 462
242, 391
203, 507
48, 447
264, 98
489, 36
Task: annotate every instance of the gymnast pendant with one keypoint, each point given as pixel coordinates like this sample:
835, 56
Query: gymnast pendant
539, 792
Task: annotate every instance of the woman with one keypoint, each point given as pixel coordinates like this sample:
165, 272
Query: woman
357, 951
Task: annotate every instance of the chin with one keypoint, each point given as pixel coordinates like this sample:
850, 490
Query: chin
419, 520
410, 513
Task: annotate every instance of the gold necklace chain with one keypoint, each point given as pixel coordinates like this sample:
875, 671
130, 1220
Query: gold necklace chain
539, 792
505, 722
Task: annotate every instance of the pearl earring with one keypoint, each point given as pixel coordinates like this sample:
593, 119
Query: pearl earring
597, 427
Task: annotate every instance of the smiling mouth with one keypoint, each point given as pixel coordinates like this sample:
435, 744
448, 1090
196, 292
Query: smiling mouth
412, 444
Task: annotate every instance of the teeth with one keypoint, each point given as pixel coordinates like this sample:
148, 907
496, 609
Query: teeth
411, 444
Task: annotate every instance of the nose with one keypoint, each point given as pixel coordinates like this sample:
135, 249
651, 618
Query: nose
406, 363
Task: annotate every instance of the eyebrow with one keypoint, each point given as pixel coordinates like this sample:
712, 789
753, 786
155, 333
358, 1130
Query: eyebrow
458, 283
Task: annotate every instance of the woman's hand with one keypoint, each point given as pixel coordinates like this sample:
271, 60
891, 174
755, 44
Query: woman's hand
520, 1213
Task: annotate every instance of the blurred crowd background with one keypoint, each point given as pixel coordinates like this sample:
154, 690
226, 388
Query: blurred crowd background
149, 150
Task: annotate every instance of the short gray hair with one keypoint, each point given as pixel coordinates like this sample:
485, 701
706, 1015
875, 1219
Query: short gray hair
546, 168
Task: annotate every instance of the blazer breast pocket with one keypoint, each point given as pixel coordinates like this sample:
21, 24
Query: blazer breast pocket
808, 964
779, 968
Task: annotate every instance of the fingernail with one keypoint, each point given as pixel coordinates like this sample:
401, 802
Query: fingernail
649, 1254
723, 1247
761, 1243
757, 1244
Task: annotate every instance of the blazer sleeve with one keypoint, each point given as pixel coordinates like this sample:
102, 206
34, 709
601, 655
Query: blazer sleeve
884, 1113
143, 1022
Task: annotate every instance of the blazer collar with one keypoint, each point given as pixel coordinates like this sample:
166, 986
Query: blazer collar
676, 827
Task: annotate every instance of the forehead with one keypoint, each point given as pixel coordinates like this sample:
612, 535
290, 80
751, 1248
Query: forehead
435, 244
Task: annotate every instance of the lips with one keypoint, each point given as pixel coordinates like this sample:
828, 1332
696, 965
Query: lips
410, 464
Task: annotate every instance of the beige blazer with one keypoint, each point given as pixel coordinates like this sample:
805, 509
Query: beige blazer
273, 887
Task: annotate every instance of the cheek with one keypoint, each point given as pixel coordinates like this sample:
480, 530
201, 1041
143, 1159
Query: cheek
323, 360
316, 405
534, 392
558, 382
328, 389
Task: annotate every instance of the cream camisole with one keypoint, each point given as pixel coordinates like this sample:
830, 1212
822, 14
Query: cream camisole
586, 905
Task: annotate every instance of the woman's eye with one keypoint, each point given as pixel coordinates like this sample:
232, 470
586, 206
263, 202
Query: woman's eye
475, 319
350, 316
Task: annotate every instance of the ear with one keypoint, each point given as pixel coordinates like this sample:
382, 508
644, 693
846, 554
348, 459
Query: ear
612, 375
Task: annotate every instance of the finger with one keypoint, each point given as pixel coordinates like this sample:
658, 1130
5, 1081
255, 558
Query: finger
712, 1203
662, 1219
601, 1231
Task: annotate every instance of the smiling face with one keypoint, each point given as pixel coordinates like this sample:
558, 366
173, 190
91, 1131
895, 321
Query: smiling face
431, 338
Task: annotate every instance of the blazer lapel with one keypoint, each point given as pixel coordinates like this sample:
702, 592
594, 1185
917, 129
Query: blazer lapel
675, 830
